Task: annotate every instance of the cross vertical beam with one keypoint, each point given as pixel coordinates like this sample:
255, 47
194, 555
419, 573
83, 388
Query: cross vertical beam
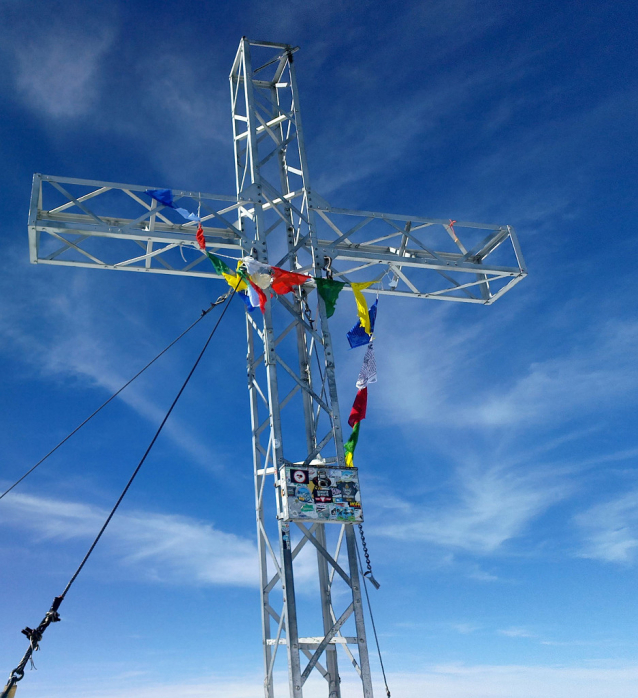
271, 174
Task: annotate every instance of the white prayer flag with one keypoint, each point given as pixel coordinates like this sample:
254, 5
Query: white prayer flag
368, 372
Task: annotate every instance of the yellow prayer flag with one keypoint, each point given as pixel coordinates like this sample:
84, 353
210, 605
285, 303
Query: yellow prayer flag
362, 306
233, 280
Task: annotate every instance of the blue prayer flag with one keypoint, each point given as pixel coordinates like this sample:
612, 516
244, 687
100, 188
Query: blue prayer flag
185, 214
357, 336
247, 302
164, 196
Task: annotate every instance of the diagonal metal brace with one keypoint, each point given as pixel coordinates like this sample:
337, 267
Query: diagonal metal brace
326, 641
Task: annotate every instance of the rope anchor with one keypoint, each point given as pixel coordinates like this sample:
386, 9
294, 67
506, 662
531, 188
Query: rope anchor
34, 636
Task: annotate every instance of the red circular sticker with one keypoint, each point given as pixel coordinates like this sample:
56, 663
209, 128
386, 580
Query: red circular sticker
299, 476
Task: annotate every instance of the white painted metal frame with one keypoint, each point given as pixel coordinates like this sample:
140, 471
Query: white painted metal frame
291, 374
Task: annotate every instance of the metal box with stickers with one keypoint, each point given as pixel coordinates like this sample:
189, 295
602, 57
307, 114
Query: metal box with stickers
321, 493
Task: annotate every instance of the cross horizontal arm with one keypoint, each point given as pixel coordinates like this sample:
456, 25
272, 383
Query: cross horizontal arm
87, 223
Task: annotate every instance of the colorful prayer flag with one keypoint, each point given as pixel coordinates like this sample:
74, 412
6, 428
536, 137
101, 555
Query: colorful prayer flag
362, 306
284, 281
220, 266
261, 299
351, 444
201, 240
259, 273
368, 372
234, 280
329, 290
185, 214
359, 407
255, 267
357, 336
165, 197
249, 306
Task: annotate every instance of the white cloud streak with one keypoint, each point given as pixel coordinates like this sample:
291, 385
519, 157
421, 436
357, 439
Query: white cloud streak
610, 530
424, 384
488, 506
74, 344
154, 547
57, 66
445, 681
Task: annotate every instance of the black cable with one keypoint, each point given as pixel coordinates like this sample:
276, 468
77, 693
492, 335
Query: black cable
52, 616
374, 629
103, 405
148, 450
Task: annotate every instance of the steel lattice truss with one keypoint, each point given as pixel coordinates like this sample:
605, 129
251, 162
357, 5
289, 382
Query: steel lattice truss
277, 218
416, 257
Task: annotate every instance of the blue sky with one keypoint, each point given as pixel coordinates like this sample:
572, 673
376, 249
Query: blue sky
499, 452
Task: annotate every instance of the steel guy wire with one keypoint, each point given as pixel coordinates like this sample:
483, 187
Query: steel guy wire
52, 616
221, 299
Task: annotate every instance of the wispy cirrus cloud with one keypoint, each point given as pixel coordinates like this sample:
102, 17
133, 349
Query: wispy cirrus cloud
57, 65
424, 384
153, 546
610, 530
486, 506
517, 632
78, 345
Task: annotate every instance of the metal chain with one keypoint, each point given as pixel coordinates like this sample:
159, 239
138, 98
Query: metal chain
365, 549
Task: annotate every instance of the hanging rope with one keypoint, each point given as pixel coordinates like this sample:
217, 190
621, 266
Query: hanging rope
52, 616
221, 299
374, 628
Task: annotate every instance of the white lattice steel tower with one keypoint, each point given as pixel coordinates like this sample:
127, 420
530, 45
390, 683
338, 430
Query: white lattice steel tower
279, 220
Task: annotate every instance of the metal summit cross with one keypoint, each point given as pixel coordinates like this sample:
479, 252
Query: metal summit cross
280, 220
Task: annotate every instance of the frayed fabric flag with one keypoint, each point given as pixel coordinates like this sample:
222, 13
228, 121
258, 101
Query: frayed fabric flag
162, 196
220, 266
165, 197
234, 280
253, 267
253, 296
351, 444
261, 280
259, 272
185, 214
284, 281
329, 290
257, 296
362, 306
359, 407
201, 240
249, 306
368, 372
357, 336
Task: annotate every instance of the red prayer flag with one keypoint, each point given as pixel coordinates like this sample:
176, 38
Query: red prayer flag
201, 241
359, 407
285, 281
262, 296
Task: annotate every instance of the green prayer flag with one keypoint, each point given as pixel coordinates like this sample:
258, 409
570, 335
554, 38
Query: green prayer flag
351, 444
329, 290
220, 266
